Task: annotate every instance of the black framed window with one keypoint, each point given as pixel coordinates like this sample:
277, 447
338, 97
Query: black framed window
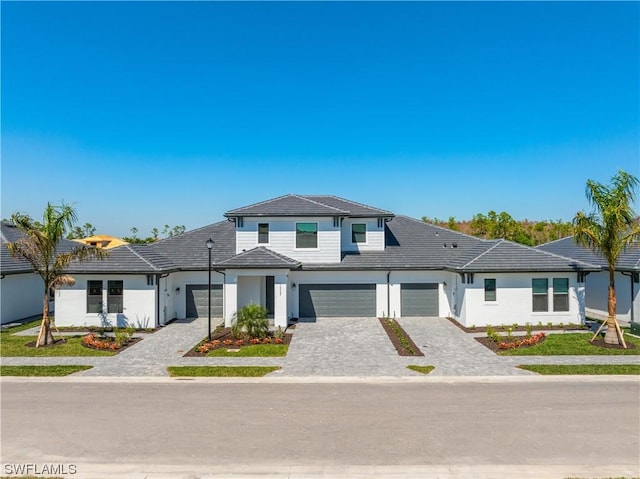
263, 232
561, 294
359, 233
306, 235
540, 292
94, 296
490, 289
114, 297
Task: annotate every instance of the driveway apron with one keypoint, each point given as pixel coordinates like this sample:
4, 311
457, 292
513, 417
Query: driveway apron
342, 347
453, 352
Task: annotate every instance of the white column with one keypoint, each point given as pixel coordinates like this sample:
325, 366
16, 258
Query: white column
281, 285
230, 298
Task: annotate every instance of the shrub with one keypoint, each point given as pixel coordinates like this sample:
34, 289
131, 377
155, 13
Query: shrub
278, 333
251, 321
122, 335
529, 330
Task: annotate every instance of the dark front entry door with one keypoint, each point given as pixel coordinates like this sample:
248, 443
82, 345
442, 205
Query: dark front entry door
269, 294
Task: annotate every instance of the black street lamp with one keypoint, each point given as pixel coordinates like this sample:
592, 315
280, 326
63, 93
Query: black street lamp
209, 247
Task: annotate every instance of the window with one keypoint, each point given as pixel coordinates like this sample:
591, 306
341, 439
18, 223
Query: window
490, 289
94, 296
306, 235
359, 233
540, 290
263, 232
561, 294
114, 297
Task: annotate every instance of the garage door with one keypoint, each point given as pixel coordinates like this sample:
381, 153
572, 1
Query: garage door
337, 300
419, 299
197, 300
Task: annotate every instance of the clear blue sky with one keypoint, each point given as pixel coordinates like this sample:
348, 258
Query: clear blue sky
146, 113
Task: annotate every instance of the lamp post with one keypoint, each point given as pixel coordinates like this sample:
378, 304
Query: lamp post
209, 247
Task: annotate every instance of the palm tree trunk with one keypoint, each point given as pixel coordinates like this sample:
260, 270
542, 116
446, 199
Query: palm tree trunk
45, 337
612, 336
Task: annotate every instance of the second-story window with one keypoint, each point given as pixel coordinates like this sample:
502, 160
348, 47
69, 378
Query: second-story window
306, 235
263, 232
359, 233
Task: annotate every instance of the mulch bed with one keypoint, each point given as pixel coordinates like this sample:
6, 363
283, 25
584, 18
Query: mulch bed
122, 347
483, 329
601, 344
225, 333
493, 346
400, 348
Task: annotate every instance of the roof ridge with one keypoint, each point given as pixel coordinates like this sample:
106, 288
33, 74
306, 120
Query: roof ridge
261, 202
356, 203
133, 250
442, 228
497, 242
555, 241
557, 255
302, 197
162, 240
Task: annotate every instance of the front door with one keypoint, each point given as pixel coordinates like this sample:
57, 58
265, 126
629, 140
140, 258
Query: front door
269, 280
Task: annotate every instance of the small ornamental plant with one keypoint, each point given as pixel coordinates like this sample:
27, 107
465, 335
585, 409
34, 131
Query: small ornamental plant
266, 341
227, 342
277, 341
254, 341
91, 341
531, 341
239, 342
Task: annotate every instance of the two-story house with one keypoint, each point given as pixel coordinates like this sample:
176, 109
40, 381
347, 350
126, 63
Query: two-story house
310, 257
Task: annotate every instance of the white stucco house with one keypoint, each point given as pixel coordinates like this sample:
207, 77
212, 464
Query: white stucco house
626, 278
315, 257
21, 290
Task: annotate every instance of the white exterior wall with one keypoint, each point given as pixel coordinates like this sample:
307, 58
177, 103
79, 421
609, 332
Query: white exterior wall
375, 235
139, 304
440, 277
514, 300
21, 296
597, 285
282, 238
251, 290
175, 297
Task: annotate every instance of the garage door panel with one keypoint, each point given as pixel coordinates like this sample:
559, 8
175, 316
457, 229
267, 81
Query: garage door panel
419, 299
337, 300
197, 297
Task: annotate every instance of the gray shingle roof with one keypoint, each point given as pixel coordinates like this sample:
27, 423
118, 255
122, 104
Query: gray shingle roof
507, 256
628, 261
123, 259
307, 205
259, 257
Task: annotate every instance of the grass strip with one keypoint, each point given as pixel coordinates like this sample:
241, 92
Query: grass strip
421, 369
253, 350
572, 344
593, 369
221, 371
41, 370
15, 346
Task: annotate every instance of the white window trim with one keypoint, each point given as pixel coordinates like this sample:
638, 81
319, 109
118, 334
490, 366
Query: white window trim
268, 243
295, 237
366, 234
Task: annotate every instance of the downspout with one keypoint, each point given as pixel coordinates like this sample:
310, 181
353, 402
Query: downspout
158, 278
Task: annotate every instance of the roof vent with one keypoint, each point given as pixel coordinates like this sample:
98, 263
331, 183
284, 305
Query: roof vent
454, 245
444, 245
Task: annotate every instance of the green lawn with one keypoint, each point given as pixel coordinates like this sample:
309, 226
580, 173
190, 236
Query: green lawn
221, 371
11, 345
41, 370
253, 350
421, 369
572, 344
599, 369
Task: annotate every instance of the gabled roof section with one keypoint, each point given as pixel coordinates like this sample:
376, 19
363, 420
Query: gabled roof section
507, 256
189, 251
308, 205
259, 257
628, 260
124, 259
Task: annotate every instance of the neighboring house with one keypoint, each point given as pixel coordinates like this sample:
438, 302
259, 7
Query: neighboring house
102, 241
627, 279
304, 256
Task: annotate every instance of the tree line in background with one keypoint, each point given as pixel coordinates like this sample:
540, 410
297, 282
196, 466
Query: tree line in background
88, 229
502, 225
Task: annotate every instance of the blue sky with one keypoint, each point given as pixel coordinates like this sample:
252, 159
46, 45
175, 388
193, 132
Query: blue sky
151, 113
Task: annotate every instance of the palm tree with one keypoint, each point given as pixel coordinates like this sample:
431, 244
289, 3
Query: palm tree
39, 246
608, 231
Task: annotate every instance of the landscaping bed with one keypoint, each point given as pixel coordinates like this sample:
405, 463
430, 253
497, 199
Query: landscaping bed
515, 327
107, 343
223, 342
399, 338
495, 346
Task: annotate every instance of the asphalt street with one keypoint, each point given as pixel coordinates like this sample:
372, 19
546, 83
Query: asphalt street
341, 429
